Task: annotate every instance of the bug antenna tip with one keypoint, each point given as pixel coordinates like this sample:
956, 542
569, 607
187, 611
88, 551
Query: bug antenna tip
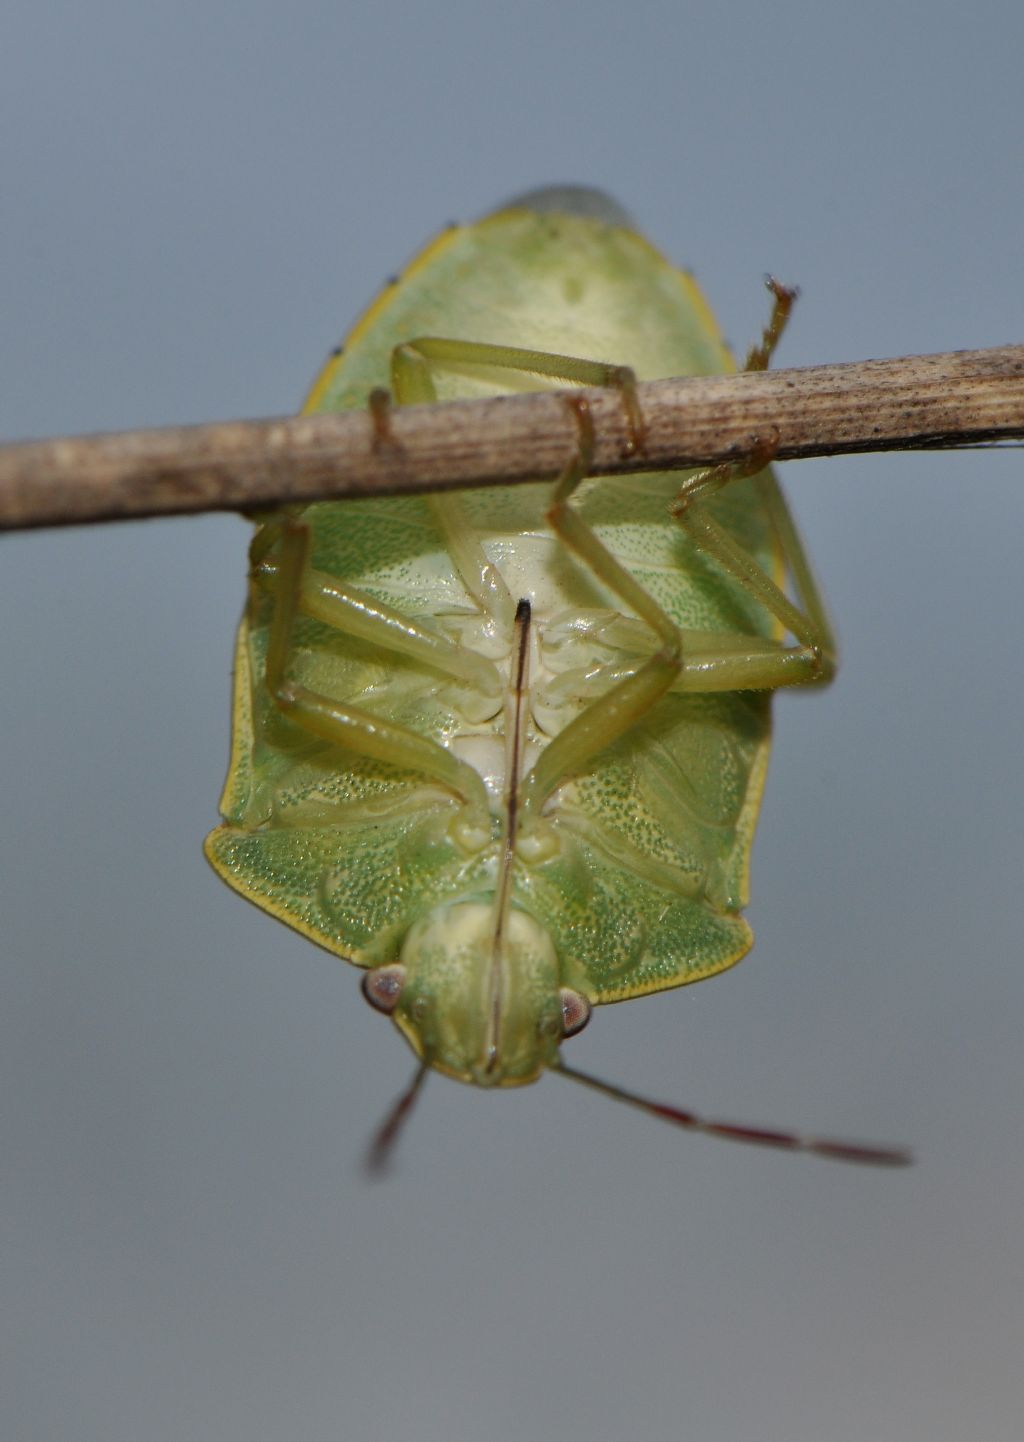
381, 1150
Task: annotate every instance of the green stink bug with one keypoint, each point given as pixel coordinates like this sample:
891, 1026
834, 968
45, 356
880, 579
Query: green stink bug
506, 750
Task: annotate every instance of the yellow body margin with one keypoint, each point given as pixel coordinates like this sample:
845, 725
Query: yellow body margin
324, 380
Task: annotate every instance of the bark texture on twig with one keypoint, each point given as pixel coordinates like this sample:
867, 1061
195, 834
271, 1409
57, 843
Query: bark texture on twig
918, 401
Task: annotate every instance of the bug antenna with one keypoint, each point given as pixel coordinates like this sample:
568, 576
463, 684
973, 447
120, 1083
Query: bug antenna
381, 1149
731, 1131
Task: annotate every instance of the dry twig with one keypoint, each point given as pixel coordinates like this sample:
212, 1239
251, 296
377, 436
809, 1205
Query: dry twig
914, 402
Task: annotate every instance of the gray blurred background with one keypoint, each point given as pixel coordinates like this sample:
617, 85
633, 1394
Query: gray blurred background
197, 200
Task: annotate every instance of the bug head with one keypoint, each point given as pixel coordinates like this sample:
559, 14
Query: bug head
483, 1004
478, 1001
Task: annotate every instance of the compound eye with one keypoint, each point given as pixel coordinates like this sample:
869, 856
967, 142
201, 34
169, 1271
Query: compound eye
383, 986
575, 1011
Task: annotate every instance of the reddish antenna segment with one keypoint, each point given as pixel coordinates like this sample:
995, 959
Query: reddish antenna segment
840, 1151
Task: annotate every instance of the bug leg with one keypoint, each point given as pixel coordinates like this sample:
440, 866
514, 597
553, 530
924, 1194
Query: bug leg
334, 721
412, 362
784, 297
330, 600
412, 382
618, 710
764, 663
